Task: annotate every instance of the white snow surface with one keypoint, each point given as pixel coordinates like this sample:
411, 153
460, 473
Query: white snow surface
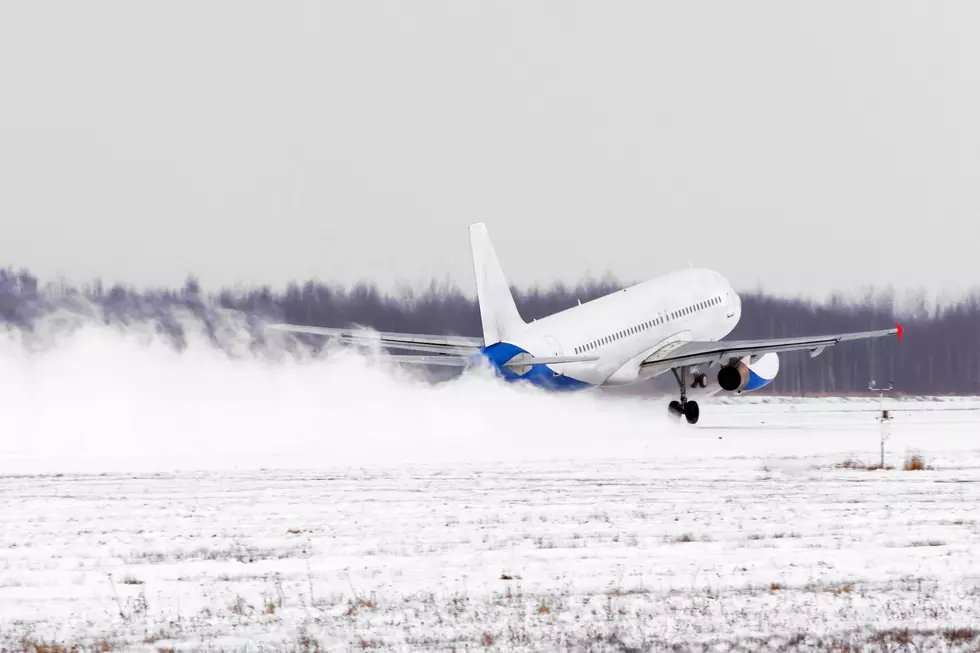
154, 500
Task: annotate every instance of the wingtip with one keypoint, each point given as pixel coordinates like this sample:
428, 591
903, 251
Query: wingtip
900, 329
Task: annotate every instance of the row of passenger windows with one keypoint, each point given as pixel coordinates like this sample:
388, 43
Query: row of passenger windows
649, 324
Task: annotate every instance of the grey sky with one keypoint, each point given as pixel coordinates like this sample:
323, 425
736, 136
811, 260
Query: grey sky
802, 147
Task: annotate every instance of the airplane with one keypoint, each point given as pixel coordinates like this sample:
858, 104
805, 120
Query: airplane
673, 323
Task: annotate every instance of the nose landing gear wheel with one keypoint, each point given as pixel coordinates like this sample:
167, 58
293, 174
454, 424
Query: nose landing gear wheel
675, 409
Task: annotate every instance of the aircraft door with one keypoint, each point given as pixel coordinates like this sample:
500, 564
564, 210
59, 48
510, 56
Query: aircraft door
554, 344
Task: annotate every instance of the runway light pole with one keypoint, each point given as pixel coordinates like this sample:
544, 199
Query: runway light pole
884, 418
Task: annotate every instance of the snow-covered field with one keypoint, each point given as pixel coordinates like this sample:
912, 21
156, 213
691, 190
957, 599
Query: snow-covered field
153, 501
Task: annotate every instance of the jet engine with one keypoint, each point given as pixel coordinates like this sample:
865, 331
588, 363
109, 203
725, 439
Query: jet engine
745, 376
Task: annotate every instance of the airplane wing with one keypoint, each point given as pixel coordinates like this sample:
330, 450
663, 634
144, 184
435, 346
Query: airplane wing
683, 353
451, 345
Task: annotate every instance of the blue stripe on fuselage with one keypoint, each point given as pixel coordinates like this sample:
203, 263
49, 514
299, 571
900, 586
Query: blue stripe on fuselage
539, 375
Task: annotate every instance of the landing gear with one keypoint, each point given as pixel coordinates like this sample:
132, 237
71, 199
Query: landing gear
688, 409
692, 412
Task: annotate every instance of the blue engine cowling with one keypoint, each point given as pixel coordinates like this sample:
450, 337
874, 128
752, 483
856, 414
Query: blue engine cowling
745, 376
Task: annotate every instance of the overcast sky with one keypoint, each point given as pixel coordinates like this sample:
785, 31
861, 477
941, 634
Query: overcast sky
800, 147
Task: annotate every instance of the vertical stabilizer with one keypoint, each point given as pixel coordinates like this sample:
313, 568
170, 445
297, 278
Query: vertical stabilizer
497, 309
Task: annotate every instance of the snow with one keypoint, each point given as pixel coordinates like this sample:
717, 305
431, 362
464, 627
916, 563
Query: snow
152, 500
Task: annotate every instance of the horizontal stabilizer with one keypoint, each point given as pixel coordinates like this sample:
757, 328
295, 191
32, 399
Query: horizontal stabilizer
446, 361
437, 344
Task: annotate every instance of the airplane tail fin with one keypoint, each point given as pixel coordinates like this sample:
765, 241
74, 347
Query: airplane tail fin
497, 309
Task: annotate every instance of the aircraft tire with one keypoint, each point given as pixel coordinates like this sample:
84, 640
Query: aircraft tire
692, 412
675, 410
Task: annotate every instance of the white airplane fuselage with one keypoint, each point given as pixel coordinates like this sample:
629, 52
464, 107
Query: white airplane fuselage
623, 329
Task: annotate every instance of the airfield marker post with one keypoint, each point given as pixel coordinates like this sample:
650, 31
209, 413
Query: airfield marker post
884, 418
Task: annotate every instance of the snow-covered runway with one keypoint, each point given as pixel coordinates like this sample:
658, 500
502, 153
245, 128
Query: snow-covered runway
153, 500
754, 529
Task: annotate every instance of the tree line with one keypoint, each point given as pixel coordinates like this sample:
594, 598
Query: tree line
940, 353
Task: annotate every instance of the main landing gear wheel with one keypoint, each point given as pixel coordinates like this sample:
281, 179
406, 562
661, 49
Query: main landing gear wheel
688, 409
692, 412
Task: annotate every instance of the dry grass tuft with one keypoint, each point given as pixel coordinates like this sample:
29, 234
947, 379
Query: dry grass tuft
270, 608
353, 607
28, 645
487, 639
686, 537
159, 636
846, 588
914, 464
32, 646
43, 647
308, 644
130, 580
543, 608
961, 635
775, 587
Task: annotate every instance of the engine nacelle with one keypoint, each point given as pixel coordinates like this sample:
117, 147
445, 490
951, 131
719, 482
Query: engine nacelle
745, 376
